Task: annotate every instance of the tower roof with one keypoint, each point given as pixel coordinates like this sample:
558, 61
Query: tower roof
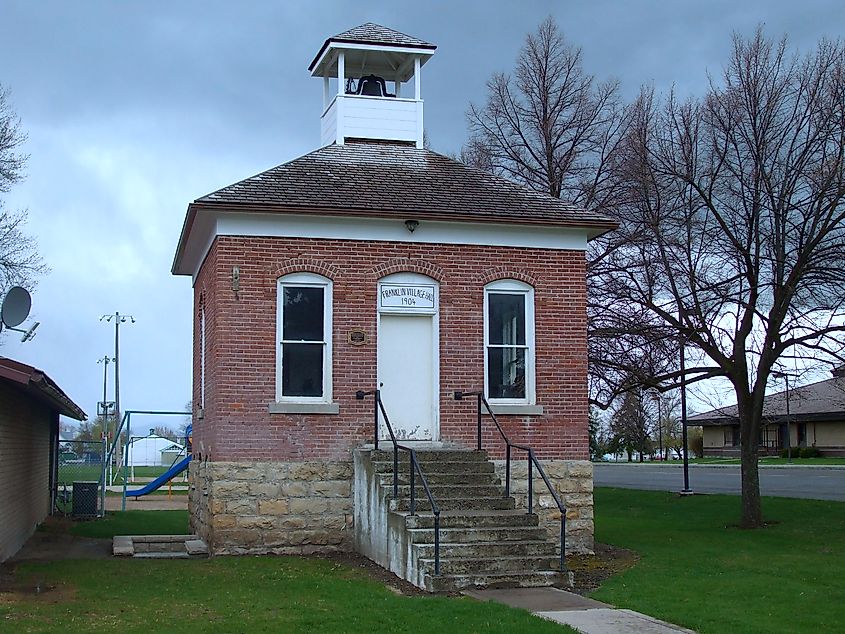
371, 34
370, 38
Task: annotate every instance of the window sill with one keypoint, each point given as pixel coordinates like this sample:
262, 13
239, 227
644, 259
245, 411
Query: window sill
303, 408
516, 410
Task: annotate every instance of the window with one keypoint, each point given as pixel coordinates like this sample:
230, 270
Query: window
509, 342
304, 335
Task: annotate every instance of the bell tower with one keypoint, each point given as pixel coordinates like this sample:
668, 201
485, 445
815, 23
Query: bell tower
363, 71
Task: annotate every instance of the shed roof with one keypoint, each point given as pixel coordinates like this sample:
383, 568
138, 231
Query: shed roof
819, 402
37, 384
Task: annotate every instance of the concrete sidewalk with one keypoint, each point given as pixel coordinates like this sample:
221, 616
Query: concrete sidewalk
583, 614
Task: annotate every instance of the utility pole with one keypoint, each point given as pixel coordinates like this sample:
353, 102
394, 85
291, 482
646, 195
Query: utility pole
118, 319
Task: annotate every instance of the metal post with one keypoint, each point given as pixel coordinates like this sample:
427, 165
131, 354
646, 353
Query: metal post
562, 540
413, 484
508, 471
530, 482
437, 543
126, 461
375, 419
686, 490
788, 432
479, 421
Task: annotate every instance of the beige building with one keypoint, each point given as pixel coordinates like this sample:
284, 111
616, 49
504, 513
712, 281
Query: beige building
30, 405
814, 416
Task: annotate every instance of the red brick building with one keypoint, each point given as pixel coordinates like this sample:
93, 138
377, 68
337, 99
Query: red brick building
373, 262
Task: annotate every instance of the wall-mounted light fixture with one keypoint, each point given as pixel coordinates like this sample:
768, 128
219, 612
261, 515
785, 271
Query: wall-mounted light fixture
411, 225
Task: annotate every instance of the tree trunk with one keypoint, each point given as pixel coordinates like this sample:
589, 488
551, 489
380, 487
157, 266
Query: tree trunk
752, 512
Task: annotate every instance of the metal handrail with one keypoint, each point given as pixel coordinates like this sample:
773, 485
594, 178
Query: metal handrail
414, 468
532, 462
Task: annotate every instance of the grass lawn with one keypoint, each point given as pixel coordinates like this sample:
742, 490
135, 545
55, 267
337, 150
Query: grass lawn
240, 594
698, 570
134, 523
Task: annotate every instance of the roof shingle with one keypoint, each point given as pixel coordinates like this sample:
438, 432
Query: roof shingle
398, 180
372, 33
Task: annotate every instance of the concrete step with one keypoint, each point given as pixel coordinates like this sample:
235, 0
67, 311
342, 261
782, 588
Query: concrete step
517, 579
433, 478
446, 491
497, 565
441, 466
473, 519
425, 456
471, 535
489, 550
159, 546
455, 504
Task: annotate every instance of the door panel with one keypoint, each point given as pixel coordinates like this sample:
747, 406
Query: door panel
406, 364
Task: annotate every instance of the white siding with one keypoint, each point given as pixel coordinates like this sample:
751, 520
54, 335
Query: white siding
383, 118
24, 467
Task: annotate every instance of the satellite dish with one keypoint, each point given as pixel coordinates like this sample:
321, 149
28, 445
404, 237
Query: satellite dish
16, 306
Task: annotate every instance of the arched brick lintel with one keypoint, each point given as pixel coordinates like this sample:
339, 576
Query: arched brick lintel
506, 273
304, 265
408, 265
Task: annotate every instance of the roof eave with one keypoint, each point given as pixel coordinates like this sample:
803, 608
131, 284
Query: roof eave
594, 229
427, 51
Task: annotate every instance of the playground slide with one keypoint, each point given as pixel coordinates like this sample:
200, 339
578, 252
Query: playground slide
160, 481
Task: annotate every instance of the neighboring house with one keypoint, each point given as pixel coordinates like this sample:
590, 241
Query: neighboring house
816, 418
147, 451
373, 262
30, 405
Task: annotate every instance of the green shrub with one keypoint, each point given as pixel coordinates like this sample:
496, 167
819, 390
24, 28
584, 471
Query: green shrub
810, 452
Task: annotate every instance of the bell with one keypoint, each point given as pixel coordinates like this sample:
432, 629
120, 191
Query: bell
373, 86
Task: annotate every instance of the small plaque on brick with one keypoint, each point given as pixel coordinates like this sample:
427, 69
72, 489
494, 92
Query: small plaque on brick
357, 337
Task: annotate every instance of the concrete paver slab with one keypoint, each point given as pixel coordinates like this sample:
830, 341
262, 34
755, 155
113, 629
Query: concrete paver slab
610, 621
537, 599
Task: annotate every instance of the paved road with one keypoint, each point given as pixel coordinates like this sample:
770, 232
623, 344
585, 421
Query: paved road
795, 482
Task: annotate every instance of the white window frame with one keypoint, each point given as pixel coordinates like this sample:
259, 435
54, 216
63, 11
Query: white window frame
310, 280
512, 287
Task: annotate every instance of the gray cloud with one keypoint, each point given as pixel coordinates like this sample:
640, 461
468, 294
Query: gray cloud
135, 109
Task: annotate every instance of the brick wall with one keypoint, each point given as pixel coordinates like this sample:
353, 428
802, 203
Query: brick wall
25, 432
241, 349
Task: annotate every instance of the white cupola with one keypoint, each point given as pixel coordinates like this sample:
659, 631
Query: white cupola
363, 70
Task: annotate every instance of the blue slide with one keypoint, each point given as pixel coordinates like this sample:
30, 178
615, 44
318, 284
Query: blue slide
160, 481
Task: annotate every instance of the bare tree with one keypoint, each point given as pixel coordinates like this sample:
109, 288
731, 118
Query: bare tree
19, 259
550, 125
734, 232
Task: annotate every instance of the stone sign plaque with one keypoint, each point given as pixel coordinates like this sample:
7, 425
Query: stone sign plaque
407, 296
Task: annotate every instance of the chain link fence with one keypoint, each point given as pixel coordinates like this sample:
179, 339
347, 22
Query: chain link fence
79, 482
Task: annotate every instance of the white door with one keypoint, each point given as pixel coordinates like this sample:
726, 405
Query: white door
406, 375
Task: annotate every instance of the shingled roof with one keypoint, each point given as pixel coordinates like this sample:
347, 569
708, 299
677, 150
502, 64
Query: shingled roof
372, 33
821, 401
397, 180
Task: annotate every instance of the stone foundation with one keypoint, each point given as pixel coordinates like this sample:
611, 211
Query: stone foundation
573, 482
283, 508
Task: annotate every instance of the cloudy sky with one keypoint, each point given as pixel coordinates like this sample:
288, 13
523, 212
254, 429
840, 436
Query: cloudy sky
133, 109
